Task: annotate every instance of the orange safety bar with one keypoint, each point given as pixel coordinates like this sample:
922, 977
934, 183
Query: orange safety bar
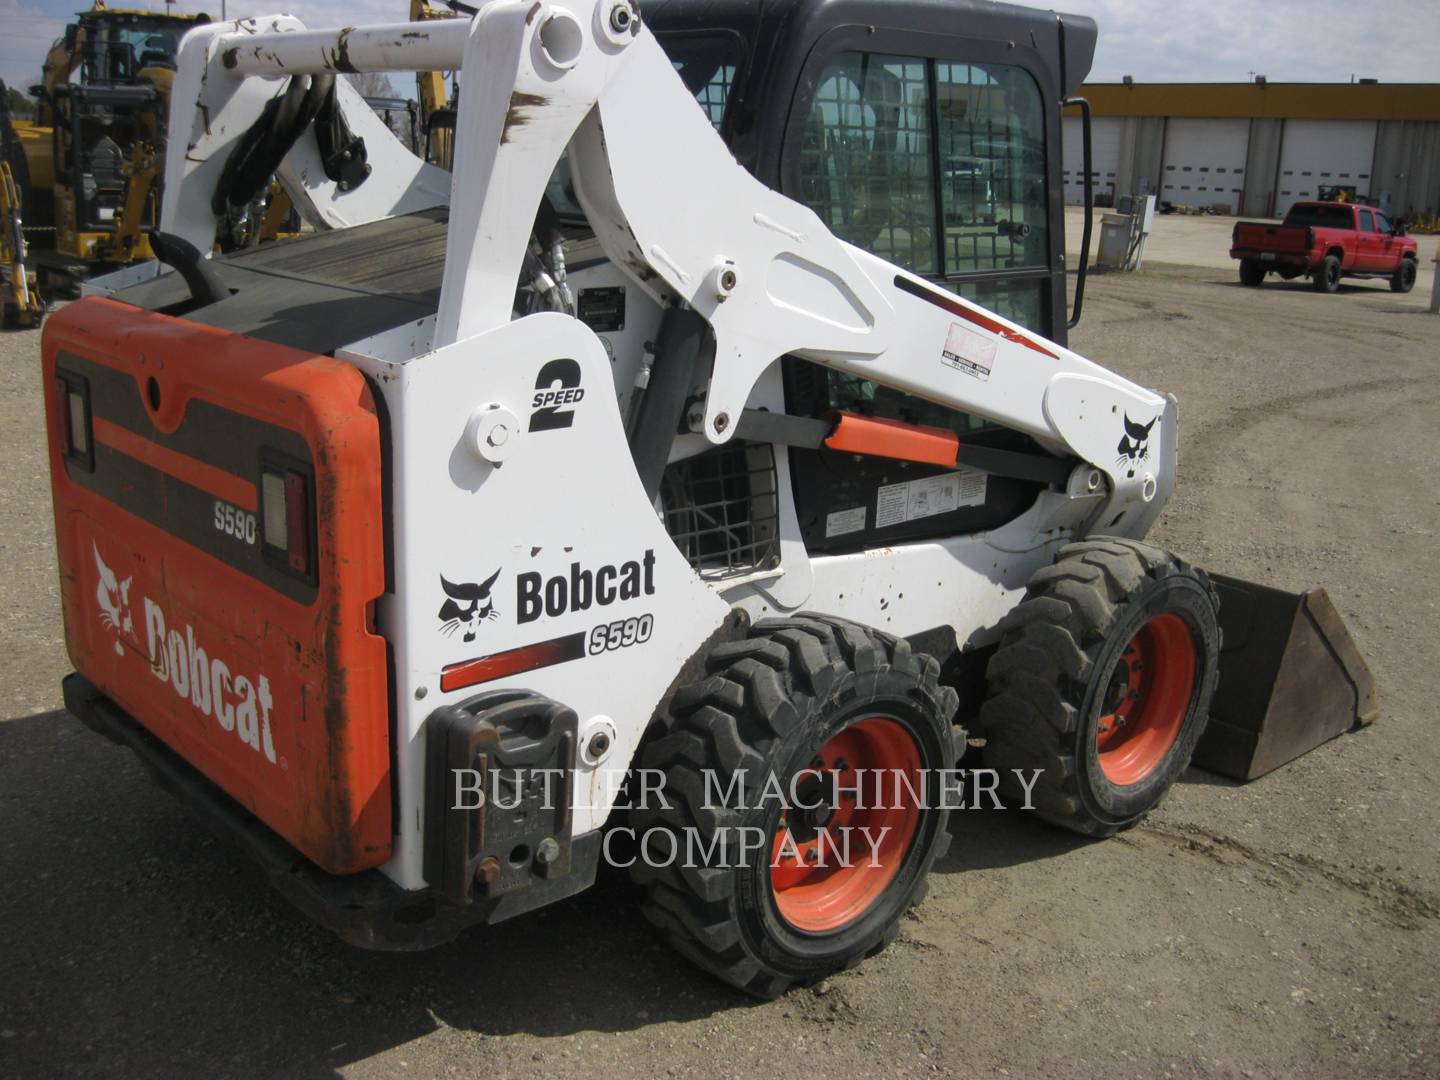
874, 437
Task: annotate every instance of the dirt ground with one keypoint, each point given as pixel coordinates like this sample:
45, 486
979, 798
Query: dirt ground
1290, 927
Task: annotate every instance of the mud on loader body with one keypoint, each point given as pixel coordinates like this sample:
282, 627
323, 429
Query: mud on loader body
352, 527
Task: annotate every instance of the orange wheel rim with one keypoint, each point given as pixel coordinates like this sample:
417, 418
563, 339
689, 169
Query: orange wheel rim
857, 810
1146, 701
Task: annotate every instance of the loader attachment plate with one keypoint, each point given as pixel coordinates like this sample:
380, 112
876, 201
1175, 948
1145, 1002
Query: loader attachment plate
1291, 678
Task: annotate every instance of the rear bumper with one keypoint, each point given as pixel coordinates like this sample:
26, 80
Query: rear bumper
366, 909
1274, 260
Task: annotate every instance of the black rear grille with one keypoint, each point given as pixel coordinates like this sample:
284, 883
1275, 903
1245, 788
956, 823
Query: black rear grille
721, 510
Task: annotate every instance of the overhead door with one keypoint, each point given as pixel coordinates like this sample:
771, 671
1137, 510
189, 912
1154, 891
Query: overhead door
1105, 132
1322, 158
1205, 162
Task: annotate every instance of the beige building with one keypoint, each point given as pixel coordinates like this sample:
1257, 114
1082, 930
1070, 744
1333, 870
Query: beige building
1256, 148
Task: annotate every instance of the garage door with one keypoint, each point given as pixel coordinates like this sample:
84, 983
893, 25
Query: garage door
1205, 162
1329, 154
1105, 134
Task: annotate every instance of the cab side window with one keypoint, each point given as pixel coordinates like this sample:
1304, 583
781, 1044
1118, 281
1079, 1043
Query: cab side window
938, 166
1367, 221
866, 159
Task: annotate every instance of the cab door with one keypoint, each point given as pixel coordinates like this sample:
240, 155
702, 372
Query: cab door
1389, 244
937, 154
941, 155
1369, 249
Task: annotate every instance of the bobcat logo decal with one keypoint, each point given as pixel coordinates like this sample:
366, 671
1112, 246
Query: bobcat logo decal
466, 606
1135, 443
114, 599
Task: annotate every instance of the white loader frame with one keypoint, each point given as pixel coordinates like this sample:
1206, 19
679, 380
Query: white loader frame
682, 222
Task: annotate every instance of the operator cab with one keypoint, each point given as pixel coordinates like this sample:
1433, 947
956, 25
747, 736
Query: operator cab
926, 131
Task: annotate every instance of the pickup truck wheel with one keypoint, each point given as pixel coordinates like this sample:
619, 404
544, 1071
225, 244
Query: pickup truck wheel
1327, 275
1102, 682
1251, 273
1403, 280
763, 893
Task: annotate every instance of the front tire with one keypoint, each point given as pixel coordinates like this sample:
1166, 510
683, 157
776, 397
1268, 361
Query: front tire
807, 701
1403, 280
1252, 274
1326, 278
1103, 681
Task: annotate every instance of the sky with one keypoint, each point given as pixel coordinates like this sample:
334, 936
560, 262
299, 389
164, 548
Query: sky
1153, 40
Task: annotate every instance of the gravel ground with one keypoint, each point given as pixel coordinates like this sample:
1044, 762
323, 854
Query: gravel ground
1288, 927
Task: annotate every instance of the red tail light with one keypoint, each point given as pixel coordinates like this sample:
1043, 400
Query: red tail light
287, 514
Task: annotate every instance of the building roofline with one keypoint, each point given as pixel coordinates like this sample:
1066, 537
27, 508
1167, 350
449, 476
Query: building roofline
1319, 101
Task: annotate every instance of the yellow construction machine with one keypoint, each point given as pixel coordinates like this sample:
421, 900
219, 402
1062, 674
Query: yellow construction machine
94, 152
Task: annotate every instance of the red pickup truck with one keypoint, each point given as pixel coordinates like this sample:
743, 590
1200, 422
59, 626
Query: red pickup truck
1326, 241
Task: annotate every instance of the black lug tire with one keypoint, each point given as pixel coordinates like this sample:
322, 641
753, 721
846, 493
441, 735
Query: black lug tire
1252, 273
1049, 674
1403, 280
1326, 278
769, 703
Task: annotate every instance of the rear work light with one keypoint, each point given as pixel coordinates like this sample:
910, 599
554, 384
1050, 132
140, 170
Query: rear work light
287, 517
76, 441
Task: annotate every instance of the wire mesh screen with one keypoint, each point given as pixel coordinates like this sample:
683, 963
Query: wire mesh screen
707, 64
890, 139
715, 93
992, 159
865, 158
720, 509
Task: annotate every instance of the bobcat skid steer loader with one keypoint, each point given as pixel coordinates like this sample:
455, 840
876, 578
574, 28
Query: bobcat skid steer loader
518, 507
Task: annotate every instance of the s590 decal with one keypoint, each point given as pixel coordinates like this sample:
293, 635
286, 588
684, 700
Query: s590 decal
620, 634
234, 522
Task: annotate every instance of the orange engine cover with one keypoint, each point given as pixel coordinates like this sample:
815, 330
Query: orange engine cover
255, 661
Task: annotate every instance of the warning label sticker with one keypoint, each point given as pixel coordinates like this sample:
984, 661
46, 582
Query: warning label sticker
969, 351
845, 521
933, 495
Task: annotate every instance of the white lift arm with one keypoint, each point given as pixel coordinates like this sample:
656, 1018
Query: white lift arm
668, 203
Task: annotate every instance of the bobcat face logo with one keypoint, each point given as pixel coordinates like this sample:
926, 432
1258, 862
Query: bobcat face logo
1134, 444
466, 606
114, 599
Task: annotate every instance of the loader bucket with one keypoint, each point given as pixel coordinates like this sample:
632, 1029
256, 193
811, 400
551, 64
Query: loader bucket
1291, 678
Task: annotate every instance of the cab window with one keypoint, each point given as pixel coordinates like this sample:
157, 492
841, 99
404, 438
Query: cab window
866, 159
937, 166
1367, 221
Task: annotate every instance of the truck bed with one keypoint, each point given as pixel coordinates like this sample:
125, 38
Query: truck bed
321, 291
1263, 236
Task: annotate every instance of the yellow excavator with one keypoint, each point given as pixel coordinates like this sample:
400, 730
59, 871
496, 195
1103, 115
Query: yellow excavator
94, 152
21, 304
437, 117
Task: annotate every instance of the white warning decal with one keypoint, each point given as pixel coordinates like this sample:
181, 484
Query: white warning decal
845, 521
968, 351
932, 495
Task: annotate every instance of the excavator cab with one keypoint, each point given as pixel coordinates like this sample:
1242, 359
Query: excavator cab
95, 149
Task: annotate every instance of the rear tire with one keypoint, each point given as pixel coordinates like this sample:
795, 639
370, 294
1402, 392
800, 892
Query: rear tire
1103, 681
1252, 274
795, 691
1403, 280
1327, 276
